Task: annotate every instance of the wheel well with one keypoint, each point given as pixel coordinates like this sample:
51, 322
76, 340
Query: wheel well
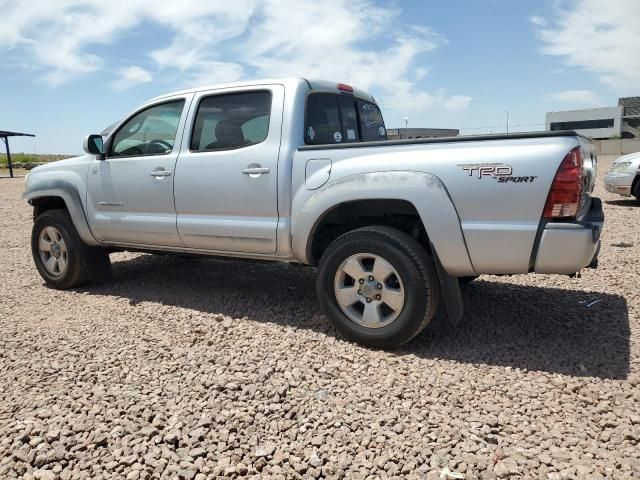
42, 204
635, 186
348, 216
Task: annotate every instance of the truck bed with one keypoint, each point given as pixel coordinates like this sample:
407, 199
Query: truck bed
462, 138
499, 220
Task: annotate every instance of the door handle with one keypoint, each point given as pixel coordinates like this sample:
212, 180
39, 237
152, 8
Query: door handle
256, 170
160, 173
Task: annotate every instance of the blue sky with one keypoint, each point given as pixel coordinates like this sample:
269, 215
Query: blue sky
73, 68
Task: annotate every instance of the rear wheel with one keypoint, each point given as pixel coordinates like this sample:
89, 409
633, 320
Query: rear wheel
378, 285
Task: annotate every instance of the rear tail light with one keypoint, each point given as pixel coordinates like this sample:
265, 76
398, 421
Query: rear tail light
566, 191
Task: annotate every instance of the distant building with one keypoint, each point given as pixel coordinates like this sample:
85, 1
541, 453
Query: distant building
593, 122
404, 133
622, 121
630, 117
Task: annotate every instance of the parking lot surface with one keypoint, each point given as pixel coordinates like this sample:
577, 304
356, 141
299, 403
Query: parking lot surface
197, 368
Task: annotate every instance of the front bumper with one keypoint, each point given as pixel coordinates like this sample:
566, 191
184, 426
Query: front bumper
619, 183
568, 247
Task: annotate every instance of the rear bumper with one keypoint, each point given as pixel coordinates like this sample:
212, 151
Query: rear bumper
568, 247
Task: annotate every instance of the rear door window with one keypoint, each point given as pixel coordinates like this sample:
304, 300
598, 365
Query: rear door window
228, 121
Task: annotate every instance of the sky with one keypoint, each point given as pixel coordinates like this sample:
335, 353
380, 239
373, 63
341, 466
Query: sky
71, 67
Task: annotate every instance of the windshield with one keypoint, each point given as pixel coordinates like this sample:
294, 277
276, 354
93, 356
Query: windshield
107, 131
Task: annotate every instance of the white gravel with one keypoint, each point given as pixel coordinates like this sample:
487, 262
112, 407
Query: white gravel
197, 368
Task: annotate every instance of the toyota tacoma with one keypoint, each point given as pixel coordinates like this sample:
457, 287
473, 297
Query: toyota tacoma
301, 171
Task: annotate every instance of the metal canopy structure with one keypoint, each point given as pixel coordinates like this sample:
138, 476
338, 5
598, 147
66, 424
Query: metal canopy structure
4, 136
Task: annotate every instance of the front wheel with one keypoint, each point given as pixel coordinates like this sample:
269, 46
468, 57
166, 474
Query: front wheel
378, 285
57, 250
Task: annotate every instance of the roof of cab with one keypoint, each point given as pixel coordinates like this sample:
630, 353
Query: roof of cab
322, 85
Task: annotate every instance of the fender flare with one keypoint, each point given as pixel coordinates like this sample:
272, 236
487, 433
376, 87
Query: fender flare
424, 191
65, 189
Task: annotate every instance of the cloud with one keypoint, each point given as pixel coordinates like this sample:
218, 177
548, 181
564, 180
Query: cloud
457, 103
540, 21
212, 41
576, 98
130, 77
598, 36
211, 72
55, 37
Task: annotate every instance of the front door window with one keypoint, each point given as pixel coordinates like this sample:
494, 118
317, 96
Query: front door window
149, 132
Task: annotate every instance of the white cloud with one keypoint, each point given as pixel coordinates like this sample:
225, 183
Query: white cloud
598, 36
56, 36
130, 77
575, 98
210, 72
457, 103
537, 20
210, 41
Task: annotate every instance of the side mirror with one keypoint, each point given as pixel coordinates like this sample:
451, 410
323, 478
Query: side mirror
93, 145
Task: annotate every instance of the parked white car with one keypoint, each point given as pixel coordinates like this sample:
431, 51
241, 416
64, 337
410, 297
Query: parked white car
624, 177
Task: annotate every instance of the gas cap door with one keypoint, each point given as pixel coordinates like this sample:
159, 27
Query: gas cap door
317, 173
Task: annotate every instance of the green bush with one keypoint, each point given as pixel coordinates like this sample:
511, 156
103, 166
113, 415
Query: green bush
29, 160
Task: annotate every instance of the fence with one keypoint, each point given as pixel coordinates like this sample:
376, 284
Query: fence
617, 146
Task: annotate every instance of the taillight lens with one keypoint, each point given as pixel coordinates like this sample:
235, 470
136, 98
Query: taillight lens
564, 198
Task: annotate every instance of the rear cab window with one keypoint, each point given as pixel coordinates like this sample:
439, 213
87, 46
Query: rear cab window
334, 118
371, 122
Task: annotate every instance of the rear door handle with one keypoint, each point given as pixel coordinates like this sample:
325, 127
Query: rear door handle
256, 170
160, 173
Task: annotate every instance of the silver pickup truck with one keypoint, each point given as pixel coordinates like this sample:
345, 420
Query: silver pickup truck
301, 171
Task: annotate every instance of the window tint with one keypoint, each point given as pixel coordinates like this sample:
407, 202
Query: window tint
350, 131
231, 121
149, 132
322, 124
256, 129
371, 122
334, 118
583, 124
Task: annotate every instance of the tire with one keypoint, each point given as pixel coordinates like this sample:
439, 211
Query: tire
413, 279
74, 271
466, 280
635, 188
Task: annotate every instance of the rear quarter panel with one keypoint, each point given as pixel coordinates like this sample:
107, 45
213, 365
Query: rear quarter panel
498, 220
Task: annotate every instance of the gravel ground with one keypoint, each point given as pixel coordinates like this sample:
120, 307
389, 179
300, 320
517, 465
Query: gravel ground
197, 368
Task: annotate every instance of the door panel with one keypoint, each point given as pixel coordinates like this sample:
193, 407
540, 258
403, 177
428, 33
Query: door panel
126, 204
226, 175
130, 194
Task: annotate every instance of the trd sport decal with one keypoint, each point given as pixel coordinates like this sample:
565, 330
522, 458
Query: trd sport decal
498, 171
